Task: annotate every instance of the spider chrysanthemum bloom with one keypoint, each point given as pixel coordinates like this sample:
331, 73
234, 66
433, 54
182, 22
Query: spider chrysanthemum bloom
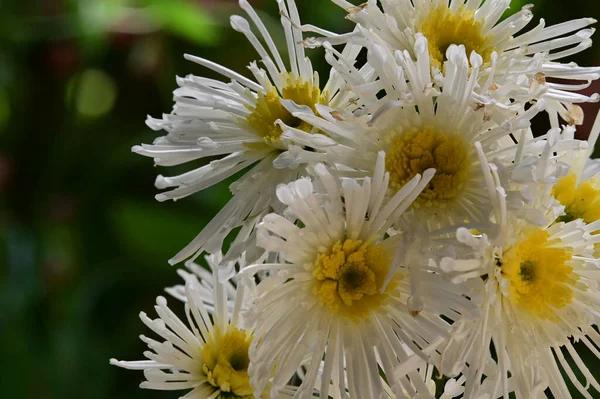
207, 356
539, 291
421, 127
207, 352
235, 121
341, 294
527, 60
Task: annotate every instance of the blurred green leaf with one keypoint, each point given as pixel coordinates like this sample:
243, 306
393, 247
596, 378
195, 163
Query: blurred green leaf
184, 19
178, 17
94, 19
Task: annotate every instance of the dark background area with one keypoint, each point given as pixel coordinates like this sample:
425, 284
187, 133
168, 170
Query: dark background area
83, 244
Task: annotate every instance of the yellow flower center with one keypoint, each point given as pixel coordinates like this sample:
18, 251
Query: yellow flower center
580, 202
225, 362
540, 278
268, 107
348, 279
443, 27
415, 151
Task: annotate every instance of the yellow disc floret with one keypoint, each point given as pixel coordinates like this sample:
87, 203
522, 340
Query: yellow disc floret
268, 107
580, 202
349, 278
540, 278
225, 362
443, 27
415, 151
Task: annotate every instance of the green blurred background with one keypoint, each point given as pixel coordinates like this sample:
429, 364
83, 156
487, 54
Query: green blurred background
83, 244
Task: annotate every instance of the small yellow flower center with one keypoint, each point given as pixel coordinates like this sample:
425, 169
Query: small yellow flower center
540, 279
349, 278
415, 151
225, 362
268, 108
443, 27
580, 202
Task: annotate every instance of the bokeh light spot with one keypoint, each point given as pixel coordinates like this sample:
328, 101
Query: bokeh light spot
95, 93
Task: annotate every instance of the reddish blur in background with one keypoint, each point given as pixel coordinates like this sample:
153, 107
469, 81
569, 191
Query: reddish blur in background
83, 244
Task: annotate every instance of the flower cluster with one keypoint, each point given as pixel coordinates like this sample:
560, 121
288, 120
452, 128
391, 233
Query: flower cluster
399, 231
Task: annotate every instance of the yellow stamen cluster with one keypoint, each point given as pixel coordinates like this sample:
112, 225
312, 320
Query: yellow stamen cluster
268, 107
225, 362
540, 278
581, 202
443, 27
349, 277
415, 151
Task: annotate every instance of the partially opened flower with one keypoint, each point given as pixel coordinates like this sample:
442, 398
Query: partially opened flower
539, 290
236, 122
207, 352
207, 355
341, 290
527, 60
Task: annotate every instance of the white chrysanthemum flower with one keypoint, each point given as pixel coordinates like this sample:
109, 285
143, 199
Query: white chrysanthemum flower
207, 353
236, 122
539, 288
420, 127
208, 356
522, 61
341, 292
